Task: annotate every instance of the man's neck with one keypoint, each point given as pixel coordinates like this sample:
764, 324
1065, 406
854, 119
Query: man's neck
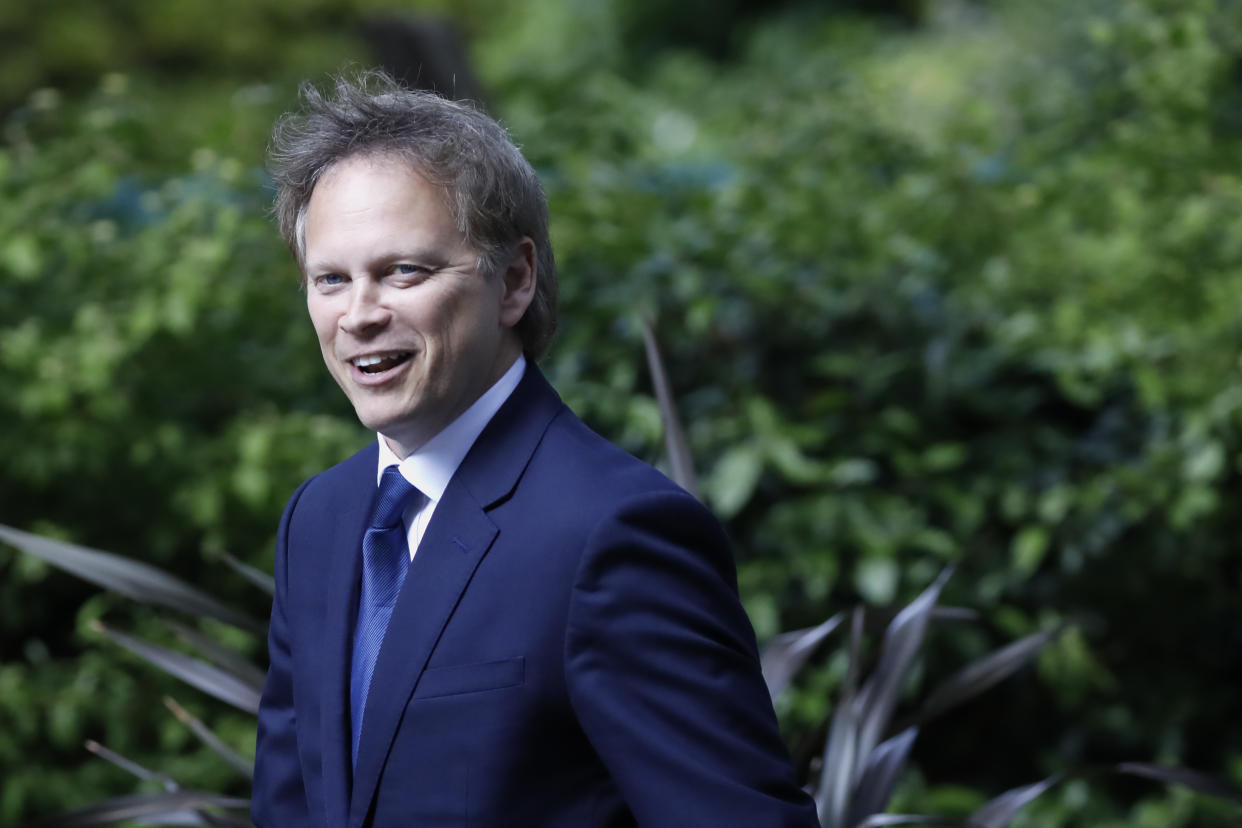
430, 466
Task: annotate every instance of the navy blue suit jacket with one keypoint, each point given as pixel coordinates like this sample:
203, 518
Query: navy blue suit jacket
568, 651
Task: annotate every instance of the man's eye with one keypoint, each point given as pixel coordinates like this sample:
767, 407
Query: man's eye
327, 280
405, 269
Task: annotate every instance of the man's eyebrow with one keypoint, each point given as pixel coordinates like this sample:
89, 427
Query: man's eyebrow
321, 267
423, 253
419, 254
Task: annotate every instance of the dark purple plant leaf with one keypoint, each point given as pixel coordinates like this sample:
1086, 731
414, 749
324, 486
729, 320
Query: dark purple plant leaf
133, 579
1195, 780
983, 673
841, 766
999, 812
681, 465
257, 577
884, 765
878, 820
222, 819
786, 653
144, 808
902, 642
130, 766
209, 738
206, 677
954, 614
879, 618
220, 655
177, 818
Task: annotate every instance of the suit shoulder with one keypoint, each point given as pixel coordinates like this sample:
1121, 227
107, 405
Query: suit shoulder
584, 456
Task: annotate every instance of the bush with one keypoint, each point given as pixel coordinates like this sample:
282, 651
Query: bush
147, 375
966, 291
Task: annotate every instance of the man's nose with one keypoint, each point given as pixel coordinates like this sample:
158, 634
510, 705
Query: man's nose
367, 310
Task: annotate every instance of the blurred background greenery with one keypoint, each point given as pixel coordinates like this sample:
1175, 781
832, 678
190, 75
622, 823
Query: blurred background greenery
936, 280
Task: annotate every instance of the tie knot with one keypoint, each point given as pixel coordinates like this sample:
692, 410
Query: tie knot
395, 493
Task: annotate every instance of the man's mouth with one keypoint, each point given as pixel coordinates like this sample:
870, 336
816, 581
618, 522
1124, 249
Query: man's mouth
379, 363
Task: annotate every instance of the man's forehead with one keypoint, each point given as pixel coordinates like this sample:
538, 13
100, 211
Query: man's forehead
373, 161
383, 164
381, 209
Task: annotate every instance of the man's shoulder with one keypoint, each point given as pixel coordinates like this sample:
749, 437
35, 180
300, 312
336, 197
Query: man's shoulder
589, 471
573, 457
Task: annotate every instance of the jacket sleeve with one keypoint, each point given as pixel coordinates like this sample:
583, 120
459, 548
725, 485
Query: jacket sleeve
279, 796
663, 673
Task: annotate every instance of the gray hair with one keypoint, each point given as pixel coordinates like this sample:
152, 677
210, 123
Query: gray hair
494, 194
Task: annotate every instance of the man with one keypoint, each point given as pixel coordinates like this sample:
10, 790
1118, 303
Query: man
521, 625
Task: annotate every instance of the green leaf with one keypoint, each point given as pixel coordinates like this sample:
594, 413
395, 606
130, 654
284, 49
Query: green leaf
944, 457
876, 580
734, 479
1028, 549
855, 471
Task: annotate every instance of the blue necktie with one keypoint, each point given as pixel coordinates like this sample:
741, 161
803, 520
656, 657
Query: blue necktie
385, 559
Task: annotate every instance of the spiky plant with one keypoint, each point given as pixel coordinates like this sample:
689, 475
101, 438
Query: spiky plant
219, 672
861, 760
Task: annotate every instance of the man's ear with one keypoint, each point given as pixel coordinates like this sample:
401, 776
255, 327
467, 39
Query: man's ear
520, 278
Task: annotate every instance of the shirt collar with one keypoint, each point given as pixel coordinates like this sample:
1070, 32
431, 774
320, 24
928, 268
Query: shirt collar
432, 465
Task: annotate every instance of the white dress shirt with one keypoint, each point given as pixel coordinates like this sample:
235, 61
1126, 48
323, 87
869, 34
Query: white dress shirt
430, 468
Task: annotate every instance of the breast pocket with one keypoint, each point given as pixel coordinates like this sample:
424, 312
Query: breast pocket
471, 678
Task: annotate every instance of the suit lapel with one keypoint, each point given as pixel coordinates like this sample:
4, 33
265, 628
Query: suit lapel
455, 542
459, 536
342, 572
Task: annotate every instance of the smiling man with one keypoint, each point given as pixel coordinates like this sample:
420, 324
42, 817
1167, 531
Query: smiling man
409, 325
491, 616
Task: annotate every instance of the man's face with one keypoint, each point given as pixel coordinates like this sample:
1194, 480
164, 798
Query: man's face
408, 326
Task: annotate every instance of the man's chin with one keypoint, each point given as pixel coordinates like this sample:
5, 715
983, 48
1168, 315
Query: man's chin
397, 431
374, 420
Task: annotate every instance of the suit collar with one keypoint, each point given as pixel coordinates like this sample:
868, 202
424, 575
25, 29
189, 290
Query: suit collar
494, 465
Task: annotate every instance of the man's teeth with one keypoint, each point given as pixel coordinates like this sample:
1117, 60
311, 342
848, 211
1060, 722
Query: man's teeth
365, 362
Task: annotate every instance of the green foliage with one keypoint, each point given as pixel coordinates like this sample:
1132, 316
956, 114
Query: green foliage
145, 336
967, 291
